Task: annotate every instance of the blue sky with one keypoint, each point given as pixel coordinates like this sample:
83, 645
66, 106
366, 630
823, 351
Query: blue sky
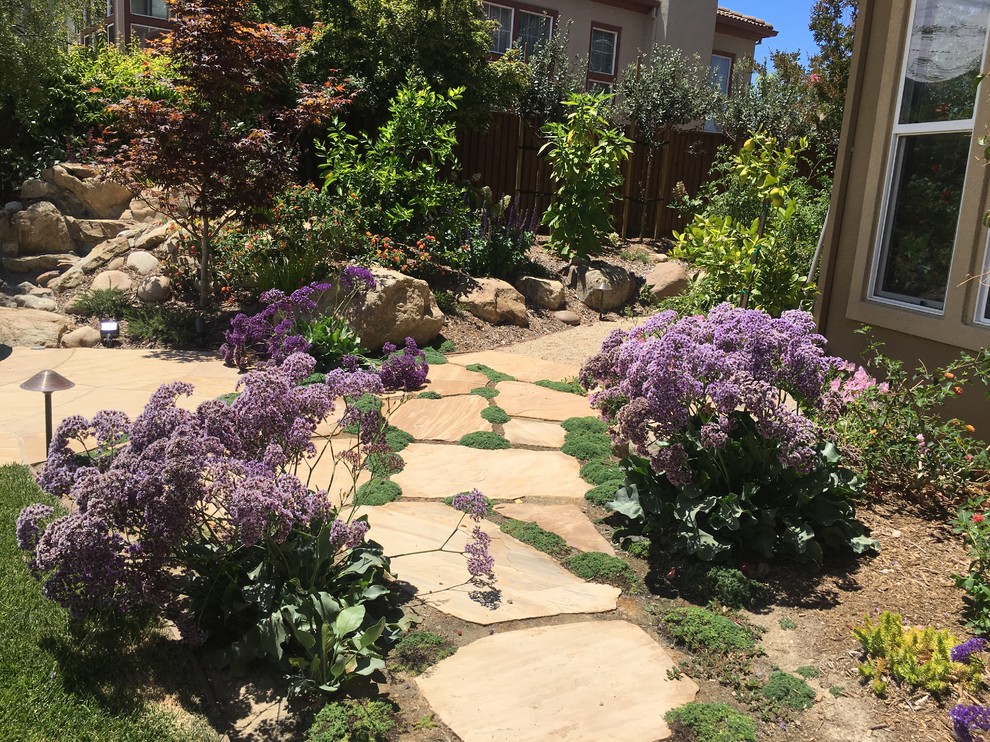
789, 17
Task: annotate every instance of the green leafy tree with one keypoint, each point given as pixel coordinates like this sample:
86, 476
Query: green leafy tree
585, 154
832, 25
553, 76
221, 149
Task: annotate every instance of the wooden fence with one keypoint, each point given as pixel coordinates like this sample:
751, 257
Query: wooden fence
506, 156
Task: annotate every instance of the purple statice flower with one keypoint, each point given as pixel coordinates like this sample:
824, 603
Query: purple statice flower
348, 535
404, 369
962, 652
968, 721
472, 503
479, 562
28, 528
671, 377
357, 276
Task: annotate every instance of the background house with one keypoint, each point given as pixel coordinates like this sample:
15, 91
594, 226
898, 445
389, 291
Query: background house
905, 246
612, 32
123, 21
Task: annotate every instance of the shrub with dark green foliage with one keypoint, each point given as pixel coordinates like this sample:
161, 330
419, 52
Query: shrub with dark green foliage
429, 394
639, 548
495, 415
353, 721
808, 672
710, 722
418, 650
448, 346
600, 472
484, 440
587, 446
384, 465
701, 630
397, 439
571, 387
599, 567
603, 494
485, 391
377, 492
786, 690
726, 586
492, 374
539, 538
104, 303
172, 326
584, 424
489, 504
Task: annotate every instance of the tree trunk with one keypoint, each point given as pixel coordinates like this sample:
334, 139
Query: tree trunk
204, 265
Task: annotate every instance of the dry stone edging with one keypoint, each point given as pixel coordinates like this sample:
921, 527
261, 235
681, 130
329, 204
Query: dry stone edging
544, 293
398, 307
601, 286
40, 229
666, 280
494, 301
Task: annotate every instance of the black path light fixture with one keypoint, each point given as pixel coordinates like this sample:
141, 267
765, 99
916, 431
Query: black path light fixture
47, 382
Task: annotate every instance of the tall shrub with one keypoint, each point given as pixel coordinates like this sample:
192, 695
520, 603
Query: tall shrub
585, 153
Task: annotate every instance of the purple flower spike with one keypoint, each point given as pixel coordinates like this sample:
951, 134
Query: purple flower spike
962, 652
353, 275
968, 721
472, 503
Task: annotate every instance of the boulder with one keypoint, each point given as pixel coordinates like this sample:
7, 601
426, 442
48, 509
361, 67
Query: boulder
34, 263
47, 277
82, 337
89, 231
117, 264
8, 249
12, 207
141, 212
97, 259
24, 287
30, 301
155, 289
152, 238
544, 293
493, 301
399, 307
40, 229
39, 291
567, 317
601, 286
102, 198
22, 326
143, 263
36, 188
111, 280
667, 279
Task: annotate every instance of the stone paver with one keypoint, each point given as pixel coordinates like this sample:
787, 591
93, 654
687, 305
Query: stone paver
521, 367
522, 432
450, 378
435, 471
117, 379
527, 400
567, 521
446, 419
580, 682
529, 584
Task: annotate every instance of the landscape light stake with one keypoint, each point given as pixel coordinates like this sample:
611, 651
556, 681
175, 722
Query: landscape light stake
47, 382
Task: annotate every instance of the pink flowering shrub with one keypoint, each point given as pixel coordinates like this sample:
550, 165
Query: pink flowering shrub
719, 412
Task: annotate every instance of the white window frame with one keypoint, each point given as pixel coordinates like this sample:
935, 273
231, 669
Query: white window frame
517, 18
497, 34
615, 51
892, 177
728, 74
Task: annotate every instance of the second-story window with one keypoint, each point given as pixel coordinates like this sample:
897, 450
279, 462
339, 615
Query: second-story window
152, 8
720, 72
501, 38
534, 29
601, 58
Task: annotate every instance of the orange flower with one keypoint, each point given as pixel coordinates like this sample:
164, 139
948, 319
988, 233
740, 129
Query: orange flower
957, 390
970, 428
949, 375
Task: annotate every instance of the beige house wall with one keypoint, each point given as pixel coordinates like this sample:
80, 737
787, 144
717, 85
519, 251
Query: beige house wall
635, 34
689, 26
851, 237
733, 46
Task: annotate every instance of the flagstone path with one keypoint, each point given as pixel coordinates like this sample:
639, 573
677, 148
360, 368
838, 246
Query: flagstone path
590, 677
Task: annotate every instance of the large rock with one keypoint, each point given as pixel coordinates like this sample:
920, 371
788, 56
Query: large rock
601, 286
143, 263
36, 188
91, 231
111, 280
544, 293
667, 279
82, 337
28, 327
31, 301
141, 212
102, 198
36, 263
399, 307
493, 301
97, 259
40, 229
155, 289
152, 238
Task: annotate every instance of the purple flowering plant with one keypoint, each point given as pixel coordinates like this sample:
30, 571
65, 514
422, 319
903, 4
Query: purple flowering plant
720, 415
971, 723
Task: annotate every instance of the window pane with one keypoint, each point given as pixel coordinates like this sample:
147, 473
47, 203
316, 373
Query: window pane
533, 29
720, 72
921, 226
602, 57
502, 38
945, 52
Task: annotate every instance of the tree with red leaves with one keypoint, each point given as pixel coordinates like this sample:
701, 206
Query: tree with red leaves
225, 147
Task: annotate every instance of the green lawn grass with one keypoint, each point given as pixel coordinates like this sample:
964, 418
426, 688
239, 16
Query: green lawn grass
53, 684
